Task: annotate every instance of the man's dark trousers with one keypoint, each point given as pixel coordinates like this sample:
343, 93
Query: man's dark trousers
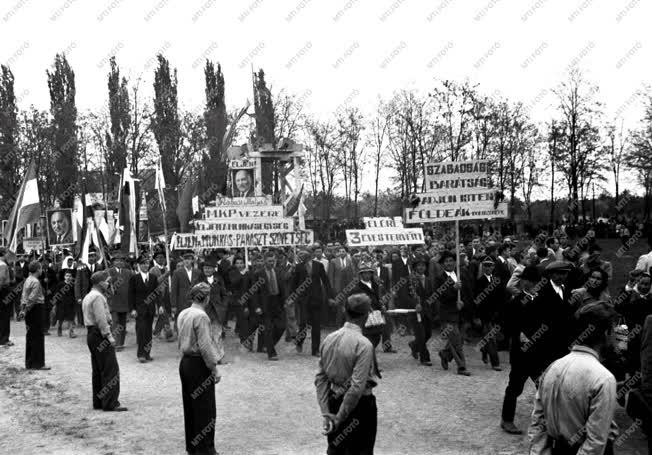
310, 317
199, 409
357, 434
34, 339
144, 321
105, 370
274, 320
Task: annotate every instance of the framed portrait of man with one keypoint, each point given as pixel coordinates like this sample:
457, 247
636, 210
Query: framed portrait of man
243, 182
59, 226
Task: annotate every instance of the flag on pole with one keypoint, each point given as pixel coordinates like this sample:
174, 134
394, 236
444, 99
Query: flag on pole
27, 209
127, 214
159, 184
143, 220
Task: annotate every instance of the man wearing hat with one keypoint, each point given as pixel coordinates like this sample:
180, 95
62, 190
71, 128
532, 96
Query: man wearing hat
521, 328
183, 279
198, 372
160, 271
345, 383
48, 280
101, 344
576, 400
218, 303
369, 287
144, 302
446, 287
83, 280
421, 294
120, 275
268, 301
488, 298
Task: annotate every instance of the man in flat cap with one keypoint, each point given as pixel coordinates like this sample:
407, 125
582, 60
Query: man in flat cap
198, 372
488, 297
576, 400
101, 344
345, 383
144, 303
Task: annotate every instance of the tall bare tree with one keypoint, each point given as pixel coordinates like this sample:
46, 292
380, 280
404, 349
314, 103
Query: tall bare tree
615, 148
377, 137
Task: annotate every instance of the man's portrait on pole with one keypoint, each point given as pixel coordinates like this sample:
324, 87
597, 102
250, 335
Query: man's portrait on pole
242, 182
59, 226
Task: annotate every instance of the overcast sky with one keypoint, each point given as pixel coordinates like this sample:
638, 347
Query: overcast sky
333, 53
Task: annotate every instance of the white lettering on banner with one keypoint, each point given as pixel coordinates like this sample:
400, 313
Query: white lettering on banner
220, 213
461, 182
241, 240
248, 225
455, 212
371, 237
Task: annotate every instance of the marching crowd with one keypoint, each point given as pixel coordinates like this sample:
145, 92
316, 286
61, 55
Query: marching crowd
543, 302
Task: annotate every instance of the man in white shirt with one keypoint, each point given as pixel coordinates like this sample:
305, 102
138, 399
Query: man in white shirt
645, 261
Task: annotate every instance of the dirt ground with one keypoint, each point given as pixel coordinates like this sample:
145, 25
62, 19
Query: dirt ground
263, 408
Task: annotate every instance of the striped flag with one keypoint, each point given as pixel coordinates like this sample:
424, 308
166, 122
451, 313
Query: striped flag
159, 184
27, 209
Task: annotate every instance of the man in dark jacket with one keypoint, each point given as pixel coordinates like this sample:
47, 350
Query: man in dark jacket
421, 295
523, 331
144, 302
446, 287
269, 300
119, 301
310, 285
488, 298
183, 279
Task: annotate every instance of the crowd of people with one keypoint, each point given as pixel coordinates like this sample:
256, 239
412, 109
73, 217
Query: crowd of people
542, 300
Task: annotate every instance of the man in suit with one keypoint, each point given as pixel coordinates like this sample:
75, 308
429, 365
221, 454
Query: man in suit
368, 286
310, 285
183, 279
160, 271
488, 296
60, 225
119, 301
420, 293
446, 287
244, 184
83, 281
144, 303
286, 270
269, 300
340, 275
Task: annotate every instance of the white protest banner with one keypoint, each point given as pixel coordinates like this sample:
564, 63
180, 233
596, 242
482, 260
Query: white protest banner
371, 237
453, 175
382, 222
33, 243
244, 211
452, 212
241, 240
246, 225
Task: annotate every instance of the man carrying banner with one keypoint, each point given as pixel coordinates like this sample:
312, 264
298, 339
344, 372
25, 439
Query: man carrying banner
446, 287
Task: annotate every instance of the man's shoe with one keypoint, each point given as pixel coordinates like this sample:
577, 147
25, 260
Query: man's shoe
149, 358
415, 354
273, 358
510, 428
444, 361
72, 335
46, 333
44, 368
119, 348
299, 348
116, 409
315, 354
8, 344
463, 372
496, 368
426, 363
142, 359
390, 350
485, 357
